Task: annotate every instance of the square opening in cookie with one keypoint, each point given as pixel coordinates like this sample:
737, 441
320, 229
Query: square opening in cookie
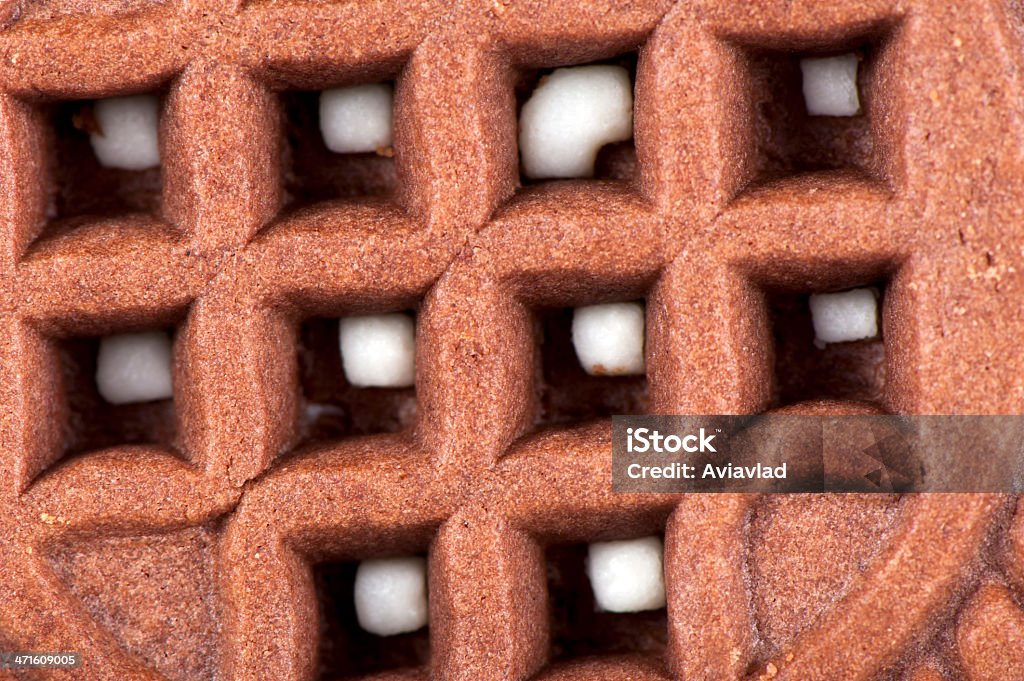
577, 121
357, 375
592, 361
817, 109
373, 616
119, 390
829, 345
607, 598
106, 156
338, 143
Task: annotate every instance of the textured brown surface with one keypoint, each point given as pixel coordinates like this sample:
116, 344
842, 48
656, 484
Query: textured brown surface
192, 539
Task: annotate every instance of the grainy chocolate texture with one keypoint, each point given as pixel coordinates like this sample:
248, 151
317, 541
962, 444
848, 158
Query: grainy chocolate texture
202, 554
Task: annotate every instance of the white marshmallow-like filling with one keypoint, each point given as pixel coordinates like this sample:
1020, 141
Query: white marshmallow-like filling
627, 576
134, 367
609, 338
830, 85
572, 114
846, 316
391, 595
128, 135
379, 350
356, 119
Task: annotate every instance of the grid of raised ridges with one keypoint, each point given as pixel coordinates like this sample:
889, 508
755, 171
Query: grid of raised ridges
478, 256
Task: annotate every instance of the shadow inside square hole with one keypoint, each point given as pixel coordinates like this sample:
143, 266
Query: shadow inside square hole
578, 629
616, 161
84, 187
314, 173
96, 424
334, 408
567, 392
853, 370
790, 141
346, 649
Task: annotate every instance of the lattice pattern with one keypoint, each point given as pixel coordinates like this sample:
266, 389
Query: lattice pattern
717, 216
